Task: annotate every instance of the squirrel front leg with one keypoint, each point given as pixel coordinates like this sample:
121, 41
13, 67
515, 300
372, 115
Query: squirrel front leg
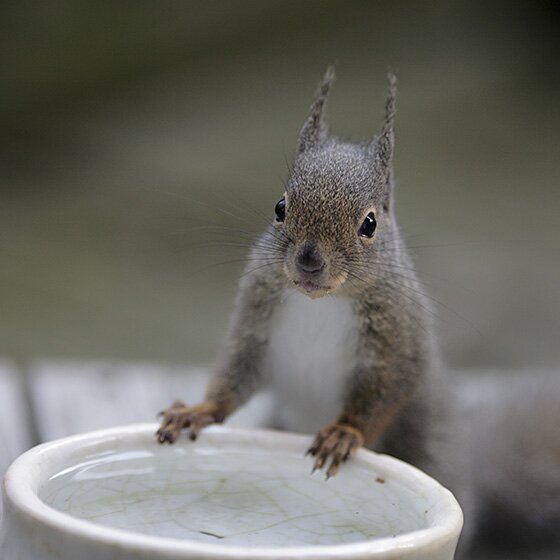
238, 373
369, 410
382, 384
220, 401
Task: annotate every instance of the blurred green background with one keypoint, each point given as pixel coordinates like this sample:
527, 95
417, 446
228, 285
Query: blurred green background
131, 133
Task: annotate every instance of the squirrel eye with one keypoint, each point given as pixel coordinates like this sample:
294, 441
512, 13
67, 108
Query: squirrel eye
280, 210
368, 226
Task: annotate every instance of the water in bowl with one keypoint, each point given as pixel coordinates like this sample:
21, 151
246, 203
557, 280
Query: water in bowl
234, 496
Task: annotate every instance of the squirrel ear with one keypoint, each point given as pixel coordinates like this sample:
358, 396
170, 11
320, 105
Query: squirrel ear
383, 146
315, 129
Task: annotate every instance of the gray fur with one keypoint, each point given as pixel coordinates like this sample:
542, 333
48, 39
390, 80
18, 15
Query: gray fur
393, 396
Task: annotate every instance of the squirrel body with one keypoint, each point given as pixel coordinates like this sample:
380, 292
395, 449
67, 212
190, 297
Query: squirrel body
329, 312
331, 317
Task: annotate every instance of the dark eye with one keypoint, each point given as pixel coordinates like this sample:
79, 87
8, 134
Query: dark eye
280, 210
368, 226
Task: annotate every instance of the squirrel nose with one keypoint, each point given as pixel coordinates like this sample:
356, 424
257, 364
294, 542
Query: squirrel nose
309, 262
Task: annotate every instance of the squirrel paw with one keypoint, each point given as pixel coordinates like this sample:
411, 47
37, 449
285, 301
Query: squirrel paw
180, 416
339, 442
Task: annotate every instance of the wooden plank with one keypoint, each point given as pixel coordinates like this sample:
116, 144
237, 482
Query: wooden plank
15, 422
76, 396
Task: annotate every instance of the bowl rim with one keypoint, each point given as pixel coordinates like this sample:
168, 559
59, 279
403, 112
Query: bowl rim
18, 489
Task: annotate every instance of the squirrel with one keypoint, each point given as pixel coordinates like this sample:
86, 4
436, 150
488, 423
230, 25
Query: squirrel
333, 319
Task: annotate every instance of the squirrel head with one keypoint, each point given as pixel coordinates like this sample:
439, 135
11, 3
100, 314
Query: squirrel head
336, 212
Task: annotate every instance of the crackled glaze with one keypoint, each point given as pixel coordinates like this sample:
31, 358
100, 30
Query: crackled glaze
116, 494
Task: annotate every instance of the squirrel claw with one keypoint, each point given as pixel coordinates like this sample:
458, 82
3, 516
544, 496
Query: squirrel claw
338, 442
179, 416
165, 436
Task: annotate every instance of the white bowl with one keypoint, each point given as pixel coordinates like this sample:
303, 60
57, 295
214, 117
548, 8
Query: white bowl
243, 494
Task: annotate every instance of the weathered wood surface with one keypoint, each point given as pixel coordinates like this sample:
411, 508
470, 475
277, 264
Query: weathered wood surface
15, 422
56, 398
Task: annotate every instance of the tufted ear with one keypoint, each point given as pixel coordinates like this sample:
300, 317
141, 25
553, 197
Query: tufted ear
383, 146
315, 129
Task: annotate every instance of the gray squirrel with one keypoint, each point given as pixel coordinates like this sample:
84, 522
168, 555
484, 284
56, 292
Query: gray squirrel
330, 316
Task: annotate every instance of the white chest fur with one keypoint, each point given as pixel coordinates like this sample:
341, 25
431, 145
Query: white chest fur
312, 349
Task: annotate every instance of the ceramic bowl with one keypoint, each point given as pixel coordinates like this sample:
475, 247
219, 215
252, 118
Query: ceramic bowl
233, 494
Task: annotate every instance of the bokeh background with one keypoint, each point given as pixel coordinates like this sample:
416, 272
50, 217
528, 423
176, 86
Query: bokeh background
141, 140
